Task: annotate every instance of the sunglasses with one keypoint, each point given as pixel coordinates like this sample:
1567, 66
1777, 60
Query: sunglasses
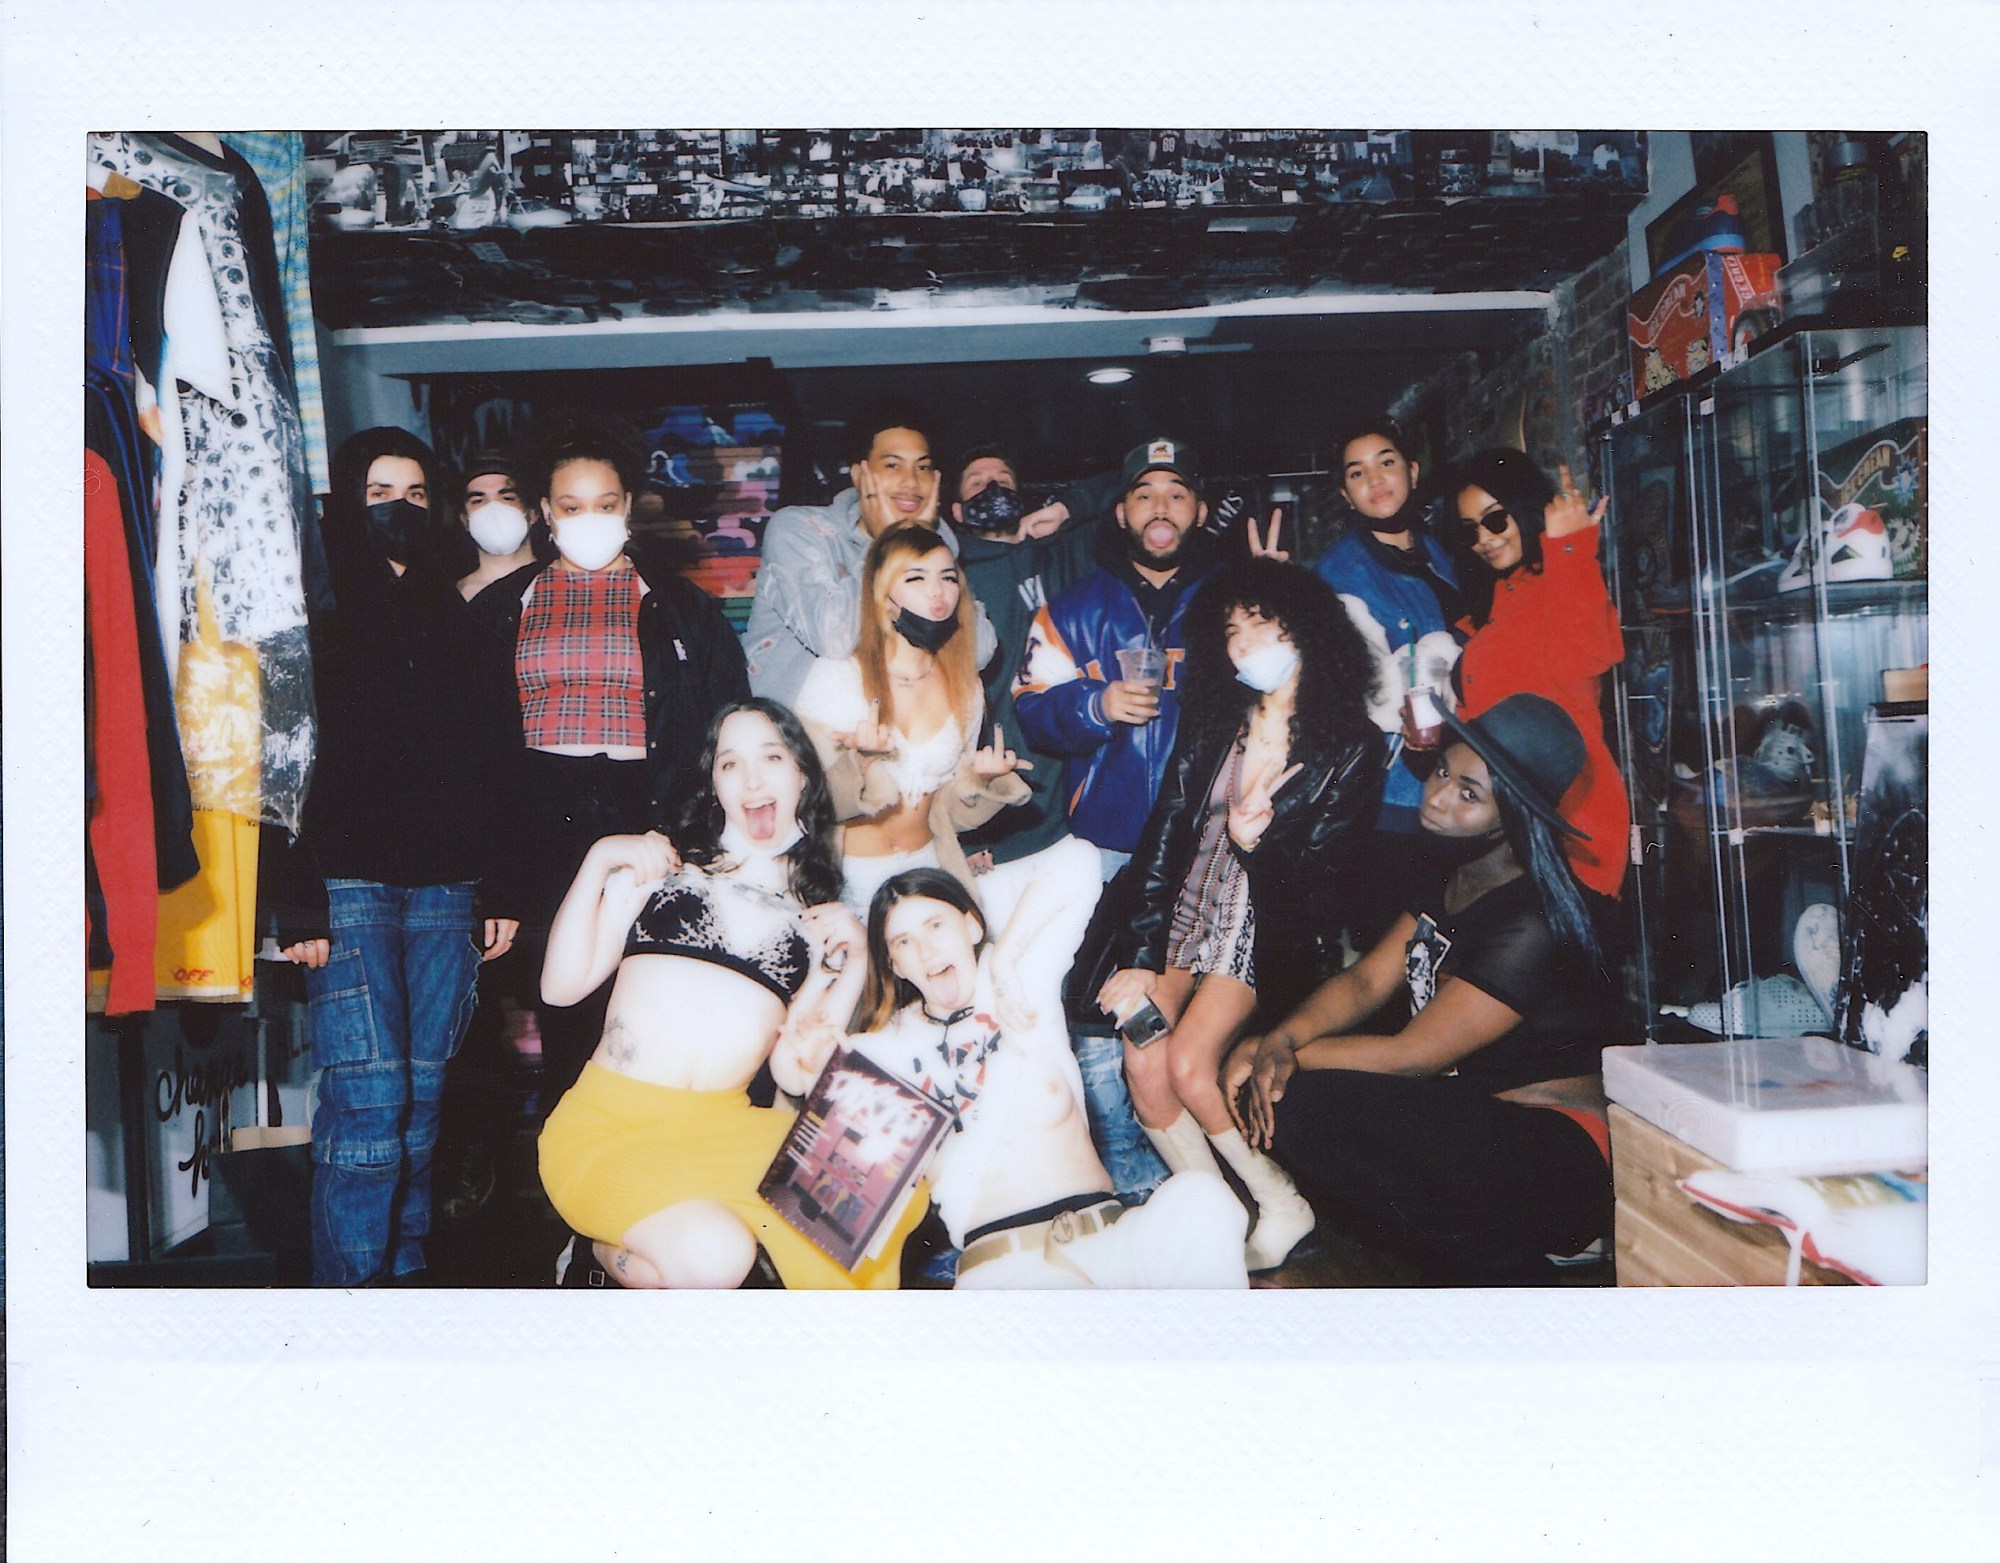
1494, 521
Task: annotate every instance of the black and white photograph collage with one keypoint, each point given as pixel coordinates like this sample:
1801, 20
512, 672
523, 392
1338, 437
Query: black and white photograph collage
1306, 750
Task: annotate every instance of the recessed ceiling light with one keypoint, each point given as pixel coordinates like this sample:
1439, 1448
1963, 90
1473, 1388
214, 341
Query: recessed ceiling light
1110, 375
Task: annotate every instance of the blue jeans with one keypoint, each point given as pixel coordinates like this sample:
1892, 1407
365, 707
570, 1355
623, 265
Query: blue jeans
387, 1012
1135, 1167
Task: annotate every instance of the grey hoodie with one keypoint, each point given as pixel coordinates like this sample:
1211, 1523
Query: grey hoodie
808, 602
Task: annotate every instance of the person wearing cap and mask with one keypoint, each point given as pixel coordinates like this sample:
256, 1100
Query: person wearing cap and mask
617, 667
1113, 733
400, 834
1017, 555
808, 601
1474, 1137
493, 511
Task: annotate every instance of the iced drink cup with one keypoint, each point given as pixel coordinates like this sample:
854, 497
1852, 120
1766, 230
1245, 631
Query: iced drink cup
1143, 665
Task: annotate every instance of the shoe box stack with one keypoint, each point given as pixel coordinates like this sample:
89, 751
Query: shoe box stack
717, 471
1766, 1161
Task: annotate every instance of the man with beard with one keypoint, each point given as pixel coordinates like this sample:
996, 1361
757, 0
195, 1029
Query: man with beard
1073, 699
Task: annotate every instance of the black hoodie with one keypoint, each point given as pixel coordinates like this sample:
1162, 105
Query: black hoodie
412, 727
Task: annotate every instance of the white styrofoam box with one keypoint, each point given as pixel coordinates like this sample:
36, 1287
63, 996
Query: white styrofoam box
1778, 1104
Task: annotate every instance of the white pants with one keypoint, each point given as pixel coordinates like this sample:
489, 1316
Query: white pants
863, 876
1188, 1236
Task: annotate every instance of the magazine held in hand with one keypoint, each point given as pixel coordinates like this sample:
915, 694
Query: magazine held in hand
861, 1141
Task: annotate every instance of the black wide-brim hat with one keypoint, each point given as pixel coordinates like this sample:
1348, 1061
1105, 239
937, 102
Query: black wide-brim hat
1531, 744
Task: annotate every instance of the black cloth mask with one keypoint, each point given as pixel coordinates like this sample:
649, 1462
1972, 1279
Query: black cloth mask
399, 528
995, 508
931, 635
1449, 852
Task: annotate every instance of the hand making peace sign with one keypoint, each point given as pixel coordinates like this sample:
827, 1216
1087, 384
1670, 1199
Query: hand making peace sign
1267, 547
1250, 815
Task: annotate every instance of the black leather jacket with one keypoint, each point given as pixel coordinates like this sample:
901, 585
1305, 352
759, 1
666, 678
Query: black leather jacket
1300, 873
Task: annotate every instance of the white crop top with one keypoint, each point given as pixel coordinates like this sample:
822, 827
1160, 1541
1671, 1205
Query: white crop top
832, 696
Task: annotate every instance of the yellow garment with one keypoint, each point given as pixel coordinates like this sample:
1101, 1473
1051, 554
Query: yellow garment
616, 1150
207, 937
219, 705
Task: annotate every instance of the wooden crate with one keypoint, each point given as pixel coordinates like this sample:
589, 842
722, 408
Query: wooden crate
1664, 1238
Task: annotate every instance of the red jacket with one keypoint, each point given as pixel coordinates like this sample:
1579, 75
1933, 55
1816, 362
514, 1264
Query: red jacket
1556, 634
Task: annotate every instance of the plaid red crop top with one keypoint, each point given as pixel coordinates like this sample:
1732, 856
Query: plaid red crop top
577, 659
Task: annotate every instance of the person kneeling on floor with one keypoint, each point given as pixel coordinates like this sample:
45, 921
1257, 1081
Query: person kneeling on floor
978, 1026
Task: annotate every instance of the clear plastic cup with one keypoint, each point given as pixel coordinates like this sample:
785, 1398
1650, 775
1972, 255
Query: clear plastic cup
1145, 665
1423, 728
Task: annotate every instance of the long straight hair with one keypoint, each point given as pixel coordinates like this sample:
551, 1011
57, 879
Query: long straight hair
888, 556
884, 992
1547, 866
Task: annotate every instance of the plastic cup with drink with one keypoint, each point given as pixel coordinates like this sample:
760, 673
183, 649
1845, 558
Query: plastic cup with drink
1144, 665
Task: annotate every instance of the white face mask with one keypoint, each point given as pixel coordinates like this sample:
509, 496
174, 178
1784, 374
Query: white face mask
590, 541
1267, 668
735, 842
498, 527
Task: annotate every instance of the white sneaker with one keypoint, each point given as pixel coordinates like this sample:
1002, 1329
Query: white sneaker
1816, 952
1784, 1007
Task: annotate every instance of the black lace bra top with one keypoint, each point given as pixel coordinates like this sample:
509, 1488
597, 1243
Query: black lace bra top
726, 923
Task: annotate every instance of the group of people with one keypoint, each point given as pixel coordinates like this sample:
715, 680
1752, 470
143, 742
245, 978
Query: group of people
1210, 897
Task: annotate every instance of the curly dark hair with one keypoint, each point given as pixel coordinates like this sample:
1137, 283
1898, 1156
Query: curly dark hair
815, 860
1336, 669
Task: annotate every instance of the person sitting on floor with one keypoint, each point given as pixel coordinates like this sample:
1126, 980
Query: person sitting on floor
727, 953
979, 1028
1474, 1137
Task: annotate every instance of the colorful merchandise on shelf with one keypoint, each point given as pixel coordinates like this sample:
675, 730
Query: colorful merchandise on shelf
1698, 312
1887, 472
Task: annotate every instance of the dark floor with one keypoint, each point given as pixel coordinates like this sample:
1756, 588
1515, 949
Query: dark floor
514, 1239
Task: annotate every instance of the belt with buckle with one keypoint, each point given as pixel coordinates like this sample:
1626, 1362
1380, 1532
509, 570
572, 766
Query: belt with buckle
1065, 1227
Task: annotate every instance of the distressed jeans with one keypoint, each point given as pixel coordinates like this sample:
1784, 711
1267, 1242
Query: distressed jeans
387, 1012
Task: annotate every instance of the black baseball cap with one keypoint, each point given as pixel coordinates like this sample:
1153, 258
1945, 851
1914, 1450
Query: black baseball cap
1163, 454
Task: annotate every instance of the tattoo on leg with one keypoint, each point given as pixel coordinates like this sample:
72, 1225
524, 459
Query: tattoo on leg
618, 1044
623, 1255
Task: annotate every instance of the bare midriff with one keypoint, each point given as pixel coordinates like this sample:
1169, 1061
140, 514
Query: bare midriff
902, 827
688, 1024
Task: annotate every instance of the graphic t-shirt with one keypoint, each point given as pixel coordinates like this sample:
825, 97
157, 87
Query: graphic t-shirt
1502, 945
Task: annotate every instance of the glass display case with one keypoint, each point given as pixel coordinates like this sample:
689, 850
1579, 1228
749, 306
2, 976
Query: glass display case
1768, 543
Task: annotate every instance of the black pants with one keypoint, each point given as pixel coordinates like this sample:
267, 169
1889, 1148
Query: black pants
1462, 1181
570, 803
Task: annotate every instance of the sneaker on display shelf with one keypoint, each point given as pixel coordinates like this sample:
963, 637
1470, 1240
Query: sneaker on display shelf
1780, 1006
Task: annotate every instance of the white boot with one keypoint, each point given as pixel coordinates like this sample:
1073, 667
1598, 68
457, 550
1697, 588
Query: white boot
1182, 1145
1283, 1216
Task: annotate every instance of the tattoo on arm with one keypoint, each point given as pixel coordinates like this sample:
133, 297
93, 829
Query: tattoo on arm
619, 1046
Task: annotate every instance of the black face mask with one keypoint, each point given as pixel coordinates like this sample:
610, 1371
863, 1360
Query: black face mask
1450, 852
399, 528
931, 635
995, 508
